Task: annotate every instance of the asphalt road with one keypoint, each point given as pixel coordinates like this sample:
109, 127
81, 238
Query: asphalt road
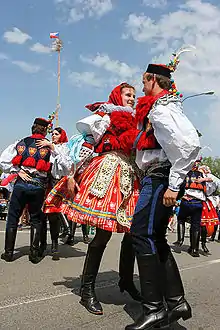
40, 296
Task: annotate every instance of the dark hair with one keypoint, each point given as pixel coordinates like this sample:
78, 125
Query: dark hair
58, 129
126, 85
39, 129
163, 82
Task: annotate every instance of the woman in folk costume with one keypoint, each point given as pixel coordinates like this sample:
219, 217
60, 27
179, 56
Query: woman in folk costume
109, 189
58, 147
216, 203
209, 217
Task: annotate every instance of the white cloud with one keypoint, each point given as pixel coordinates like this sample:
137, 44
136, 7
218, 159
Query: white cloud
193, 23
155, 3
3, 57
39, 48
75, 16
76, 10
116, 67
16, 36
196, 23
80, 79
27, 67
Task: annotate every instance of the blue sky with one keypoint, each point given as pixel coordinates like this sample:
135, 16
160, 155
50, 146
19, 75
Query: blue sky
105, 42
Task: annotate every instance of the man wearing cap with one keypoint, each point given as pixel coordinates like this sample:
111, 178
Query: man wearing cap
174, 148
32, 165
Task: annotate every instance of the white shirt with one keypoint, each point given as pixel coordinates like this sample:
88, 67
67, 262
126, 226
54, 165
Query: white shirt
178, 138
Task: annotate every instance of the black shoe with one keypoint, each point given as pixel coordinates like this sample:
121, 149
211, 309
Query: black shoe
181, 310
194, 243
178, 307
7, 256
34, 256
90, 271
86, 239
89, 299
10, 237
180, 234
149, 319
204, 247
131, 289
195, 253
70, 240
55, 251
154, 311
203, 239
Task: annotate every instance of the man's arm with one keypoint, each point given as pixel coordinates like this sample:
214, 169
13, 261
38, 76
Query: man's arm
179, 140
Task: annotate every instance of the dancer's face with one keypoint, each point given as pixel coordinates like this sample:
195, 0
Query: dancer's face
55, 136
128, 97
148, 83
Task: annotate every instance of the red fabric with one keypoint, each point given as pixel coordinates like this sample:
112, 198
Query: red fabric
88, 145
85, 208
109, 142
42, 165
17, 160
9, 179
146, 142
114, 98
37, 136
29, 162
94, 106
121, 122
63, 136
145, 104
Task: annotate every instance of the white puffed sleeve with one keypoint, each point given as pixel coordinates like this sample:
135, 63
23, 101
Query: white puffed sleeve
178, 138
213, 185
94, 125
61, 161
6, 159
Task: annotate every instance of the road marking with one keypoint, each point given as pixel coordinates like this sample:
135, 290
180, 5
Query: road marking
19, 231
30, 301
203, 264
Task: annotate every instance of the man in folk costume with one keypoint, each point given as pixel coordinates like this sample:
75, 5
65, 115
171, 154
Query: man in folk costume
165, 165
32, 165
191, 206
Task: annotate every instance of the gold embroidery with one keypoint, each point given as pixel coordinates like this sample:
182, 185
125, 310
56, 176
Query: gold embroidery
104, 175
103, 179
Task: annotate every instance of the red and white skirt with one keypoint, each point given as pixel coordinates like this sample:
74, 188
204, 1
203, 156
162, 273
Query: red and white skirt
209, 217
109, 191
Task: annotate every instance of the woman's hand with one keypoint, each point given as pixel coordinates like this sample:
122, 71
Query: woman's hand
72, 185
44, 143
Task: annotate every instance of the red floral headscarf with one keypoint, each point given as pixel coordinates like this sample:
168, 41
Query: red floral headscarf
114, 98
63, 135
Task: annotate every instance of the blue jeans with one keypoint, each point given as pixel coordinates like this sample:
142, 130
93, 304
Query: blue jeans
22, 195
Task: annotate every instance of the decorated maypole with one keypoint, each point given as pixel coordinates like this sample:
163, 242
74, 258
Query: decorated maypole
57, 45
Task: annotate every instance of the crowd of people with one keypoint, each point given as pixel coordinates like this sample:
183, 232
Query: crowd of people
123, 173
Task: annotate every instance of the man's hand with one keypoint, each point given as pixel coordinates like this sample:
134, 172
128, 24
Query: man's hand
44, 143
24, 176
72, 186
169, 197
